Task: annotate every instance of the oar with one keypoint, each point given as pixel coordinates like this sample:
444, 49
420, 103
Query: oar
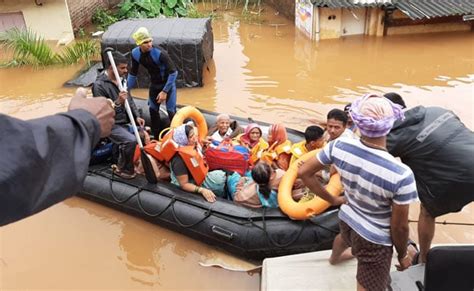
147, 167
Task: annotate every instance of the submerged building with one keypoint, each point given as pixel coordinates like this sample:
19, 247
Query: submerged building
326, 19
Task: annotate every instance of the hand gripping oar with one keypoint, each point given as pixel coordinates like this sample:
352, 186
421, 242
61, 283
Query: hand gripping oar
147, 167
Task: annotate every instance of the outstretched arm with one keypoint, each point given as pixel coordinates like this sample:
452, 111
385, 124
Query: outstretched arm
45, 160
307, 171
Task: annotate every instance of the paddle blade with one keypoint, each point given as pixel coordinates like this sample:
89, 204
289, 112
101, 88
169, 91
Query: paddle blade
147, 167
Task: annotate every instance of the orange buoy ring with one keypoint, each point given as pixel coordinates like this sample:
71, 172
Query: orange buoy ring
304, 210
193, 113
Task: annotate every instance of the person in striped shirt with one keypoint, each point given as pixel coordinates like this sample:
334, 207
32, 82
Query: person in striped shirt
378, 190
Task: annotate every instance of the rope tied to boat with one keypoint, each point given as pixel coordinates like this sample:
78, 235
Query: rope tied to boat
207, 213
114, 196
142, 208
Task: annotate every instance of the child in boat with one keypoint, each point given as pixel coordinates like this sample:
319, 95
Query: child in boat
279, 152
189, 153
258, 190
252, 139
314, 139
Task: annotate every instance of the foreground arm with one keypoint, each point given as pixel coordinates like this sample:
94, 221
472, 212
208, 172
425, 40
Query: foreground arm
307, 171
45, 160
399, 231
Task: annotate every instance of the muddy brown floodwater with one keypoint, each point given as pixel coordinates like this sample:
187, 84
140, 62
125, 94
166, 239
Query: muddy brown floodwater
260, 69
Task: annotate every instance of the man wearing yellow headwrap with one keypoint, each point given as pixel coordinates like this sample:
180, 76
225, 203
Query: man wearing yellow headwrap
378, 190
162, 73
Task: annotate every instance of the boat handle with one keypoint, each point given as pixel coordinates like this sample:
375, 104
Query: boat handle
222, 232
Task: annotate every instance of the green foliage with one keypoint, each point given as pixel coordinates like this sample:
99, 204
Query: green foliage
153, 8
103, 18
30, 49
85, 50
81, 33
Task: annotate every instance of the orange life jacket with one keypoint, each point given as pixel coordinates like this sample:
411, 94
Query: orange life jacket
194, 161
165, 149
279, 154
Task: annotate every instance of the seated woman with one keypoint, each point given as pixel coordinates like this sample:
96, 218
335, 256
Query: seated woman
314, 139
259, 190
188, 170
279, 152
252, 139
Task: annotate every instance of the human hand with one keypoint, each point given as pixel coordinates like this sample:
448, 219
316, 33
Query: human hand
298, 184
122, 97
141, 122
208, 195
161, 97
339, 200
100, 107
404, 263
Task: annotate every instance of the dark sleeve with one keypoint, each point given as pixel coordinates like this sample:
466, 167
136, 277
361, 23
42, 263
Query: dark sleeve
166, 60
44, 161
178, 166
99, 91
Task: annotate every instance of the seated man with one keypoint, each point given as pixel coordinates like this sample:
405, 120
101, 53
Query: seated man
106, 85
314, 139
221, 129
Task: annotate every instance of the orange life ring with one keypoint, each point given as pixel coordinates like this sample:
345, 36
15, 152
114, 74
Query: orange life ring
315, 206
193, 113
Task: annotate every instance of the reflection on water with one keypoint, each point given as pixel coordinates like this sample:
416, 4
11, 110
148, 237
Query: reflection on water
265, 70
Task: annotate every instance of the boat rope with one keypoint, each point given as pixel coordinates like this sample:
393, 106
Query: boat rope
171, 204
206, 215
270, 239
323, 227
447, 223
114, 196
151, 214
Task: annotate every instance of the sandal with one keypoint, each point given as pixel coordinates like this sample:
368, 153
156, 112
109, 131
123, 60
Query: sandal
122, 174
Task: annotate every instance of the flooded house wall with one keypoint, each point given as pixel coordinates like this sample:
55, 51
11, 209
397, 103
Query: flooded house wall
50, 20
81, 11
330, 21
399, 23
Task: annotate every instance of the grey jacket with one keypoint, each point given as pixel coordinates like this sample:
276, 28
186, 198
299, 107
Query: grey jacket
438, 148
104, 87
44, 161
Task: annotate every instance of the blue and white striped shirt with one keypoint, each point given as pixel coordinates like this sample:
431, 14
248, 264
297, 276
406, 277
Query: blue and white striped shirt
373, 180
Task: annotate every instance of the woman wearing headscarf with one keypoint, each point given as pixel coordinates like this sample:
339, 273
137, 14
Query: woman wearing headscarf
252, 139
279, 152
188, 169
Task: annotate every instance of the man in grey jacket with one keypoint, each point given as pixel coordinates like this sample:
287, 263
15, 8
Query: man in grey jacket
106, 85
438, 148
45, 160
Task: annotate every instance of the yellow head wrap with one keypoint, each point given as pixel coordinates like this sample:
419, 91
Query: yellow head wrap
141, 35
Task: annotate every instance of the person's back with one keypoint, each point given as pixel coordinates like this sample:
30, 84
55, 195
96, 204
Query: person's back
437, 146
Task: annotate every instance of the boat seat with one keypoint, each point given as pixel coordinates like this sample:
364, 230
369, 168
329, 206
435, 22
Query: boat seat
449, 268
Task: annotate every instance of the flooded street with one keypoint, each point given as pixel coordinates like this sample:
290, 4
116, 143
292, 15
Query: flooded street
265, 70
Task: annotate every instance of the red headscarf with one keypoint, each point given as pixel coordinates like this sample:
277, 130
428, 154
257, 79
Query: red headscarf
278, 134
245, 138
